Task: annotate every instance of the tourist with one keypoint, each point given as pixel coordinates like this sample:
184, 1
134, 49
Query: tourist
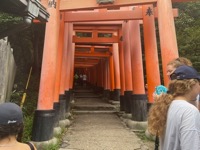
172, 118
172, 65
84, 79
11, 128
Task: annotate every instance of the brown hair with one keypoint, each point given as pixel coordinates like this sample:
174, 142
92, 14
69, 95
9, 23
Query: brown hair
180, 61
12, 129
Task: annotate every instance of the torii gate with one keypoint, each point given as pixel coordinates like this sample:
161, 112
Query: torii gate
59, 54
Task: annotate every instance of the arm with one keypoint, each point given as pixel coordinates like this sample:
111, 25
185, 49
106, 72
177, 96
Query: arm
190, 130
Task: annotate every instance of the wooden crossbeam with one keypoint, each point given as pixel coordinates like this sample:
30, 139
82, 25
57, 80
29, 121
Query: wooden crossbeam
95, 40
135, 14
89, 46
104, 16
92, 55
82, 66
97, 27
66, 5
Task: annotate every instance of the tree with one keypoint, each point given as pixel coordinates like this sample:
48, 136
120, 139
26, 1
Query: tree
188, 31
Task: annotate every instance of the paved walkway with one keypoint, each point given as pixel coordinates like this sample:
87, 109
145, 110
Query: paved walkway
96, 126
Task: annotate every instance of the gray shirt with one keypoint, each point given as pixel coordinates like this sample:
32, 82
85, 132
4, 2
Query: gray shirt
182, 127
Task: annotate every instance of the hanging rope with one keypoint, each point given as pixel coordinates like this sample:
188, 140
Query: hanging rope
24, 94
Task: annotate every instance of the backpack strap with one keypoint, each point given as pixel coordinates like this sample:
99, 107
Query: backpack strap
30, 145
156, 142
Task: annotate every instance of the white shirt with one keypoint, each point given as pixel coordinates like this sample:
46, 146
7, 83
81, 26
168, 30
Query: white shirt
182, 127
84, 77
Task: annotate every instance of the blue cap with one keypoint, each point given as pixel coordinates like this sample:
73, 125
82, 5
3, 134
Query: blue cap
10, 113
160, 89
185, 72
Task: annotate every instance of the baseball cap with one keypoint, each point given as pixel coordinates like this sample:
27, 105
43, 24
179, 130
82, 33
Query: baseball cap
10, 113
160, 89
185, 72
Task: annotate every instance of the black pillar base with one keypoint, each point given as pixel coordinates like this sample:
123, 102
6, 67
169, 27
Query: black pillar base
68, 99
122, 103
112, 95
43, 125
148, 106
139, 107
116, 94
127, 100
71, 95
62, 101
106, 94
56, 107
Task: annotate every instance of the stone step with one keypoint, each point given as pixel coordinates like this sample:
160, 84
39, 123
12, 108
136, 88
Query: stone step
91, 107
93, 112
83, 91
87, 96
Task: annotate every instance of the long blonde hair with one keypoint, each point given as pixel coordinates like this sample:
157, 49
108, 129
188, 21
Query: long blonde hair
157, 116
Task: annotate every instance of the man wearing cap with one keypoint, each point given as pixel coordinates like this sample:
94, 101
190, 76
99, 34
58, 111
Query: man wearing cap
11, 128
172, 117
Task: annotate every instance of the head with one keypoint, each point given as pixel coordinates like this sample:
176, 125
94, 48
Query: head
175, 63
11, 120
190, 77
185, 84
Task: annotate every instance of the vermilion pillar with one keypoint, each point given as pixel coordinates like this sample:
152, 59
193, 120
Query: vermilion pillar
139, 99
58, 70
168, 42
151, 53
136, 58
112, 77
64, 59
102, 74
59, 59
106, 90
62, 97
44, 115
69, 65
116, 71
108, 81
72, 48
127, 67
122, 78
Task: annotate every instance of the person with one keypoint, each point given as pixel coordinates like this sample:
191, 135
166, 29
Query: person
76, 78
84, 79
81, 79
173, 64
172, 118
11, 128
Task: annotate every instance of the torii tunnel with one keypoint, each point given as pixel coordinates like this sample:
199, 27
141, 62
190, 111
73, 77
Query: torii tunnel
114, 63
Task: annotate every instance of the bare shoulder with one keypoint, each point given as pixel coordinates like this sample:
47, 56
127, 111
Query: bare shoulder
28, 146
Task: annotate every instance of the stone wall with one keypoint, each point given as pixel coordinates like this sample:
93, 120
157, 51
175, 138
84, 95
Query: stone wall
7, 70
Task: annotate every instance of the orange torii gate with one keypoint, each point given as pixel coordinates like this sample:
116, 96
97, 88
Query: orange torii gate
122, 66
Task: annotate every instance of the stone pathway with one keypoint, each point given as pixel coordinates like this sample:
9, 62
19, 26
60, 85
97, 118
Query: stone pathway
96, 126
100, 132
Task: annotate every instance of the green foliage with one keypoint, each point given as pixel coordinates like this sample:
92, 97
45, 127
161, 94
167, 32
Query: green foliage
23, 49
57, 145
9, 18
28, 123
188, 31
